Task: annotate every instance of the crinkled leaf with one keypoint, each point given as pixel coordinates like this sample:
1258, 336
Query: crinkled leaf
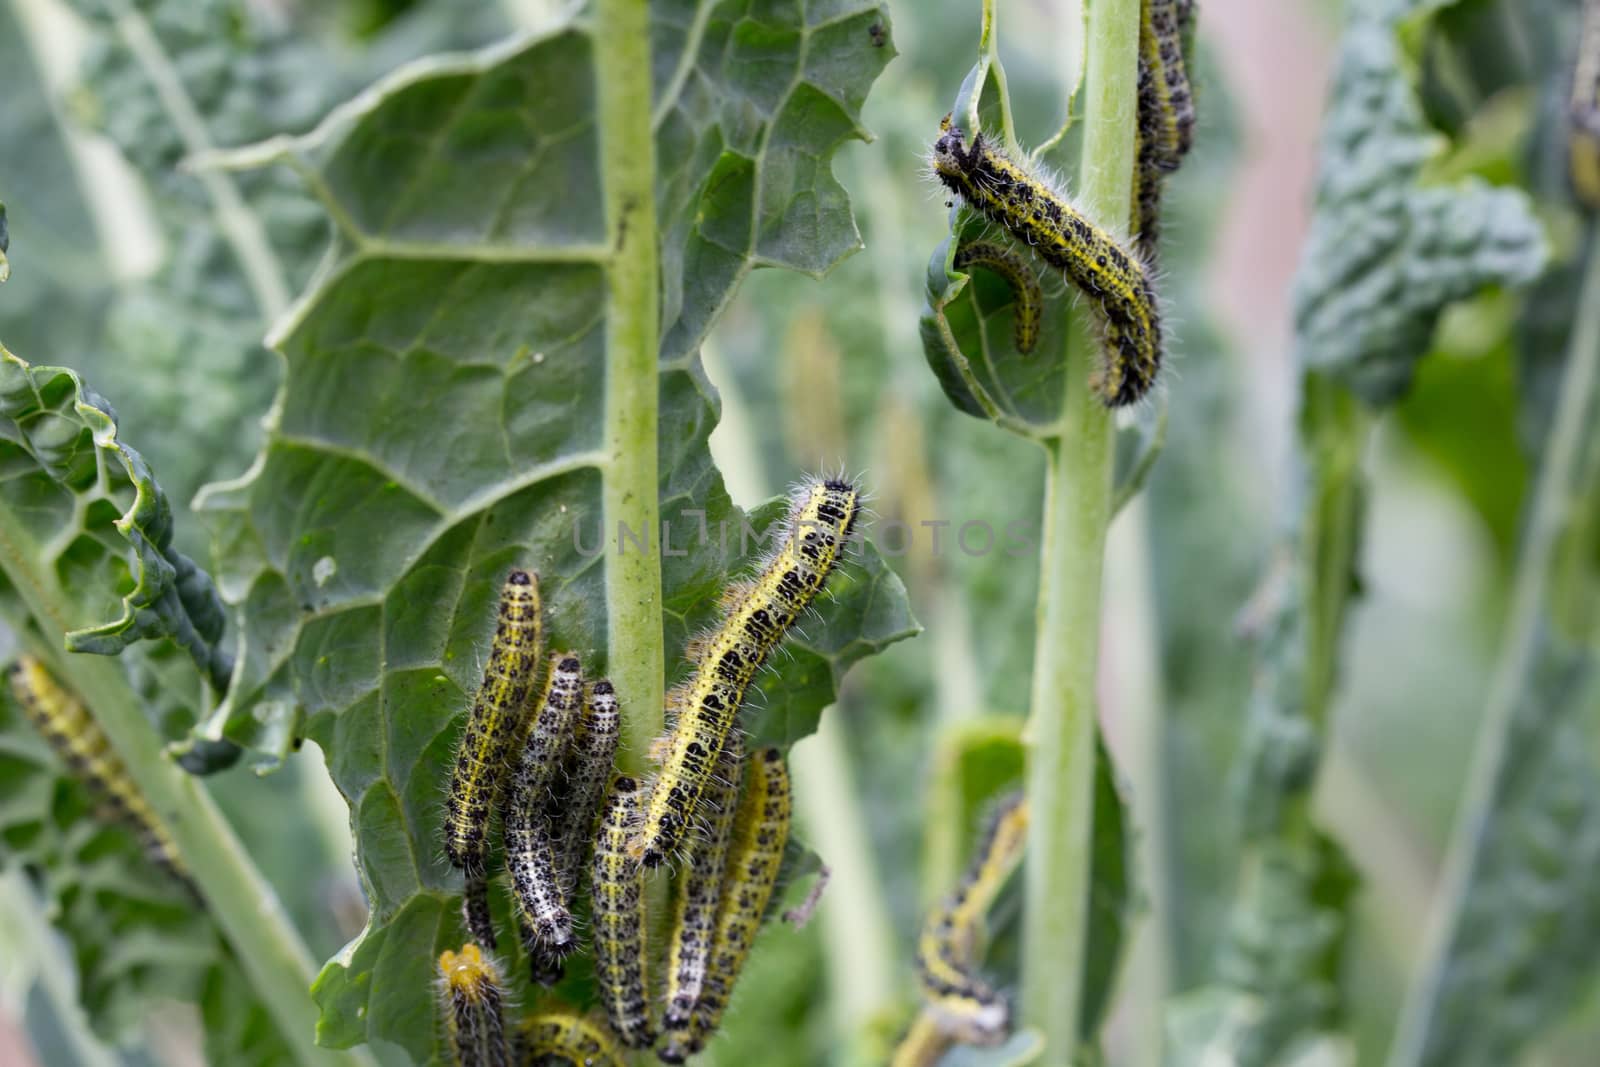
442, 418
83, 506
1388, 253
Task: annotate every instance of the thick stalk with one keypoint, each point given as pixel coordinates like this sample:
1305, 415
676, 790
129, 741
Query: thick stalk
630, 497
1061, 726
241, 901
1528, 610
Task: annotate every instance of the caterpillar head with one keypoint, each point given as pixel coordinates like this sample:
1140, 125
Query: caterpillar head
951, 158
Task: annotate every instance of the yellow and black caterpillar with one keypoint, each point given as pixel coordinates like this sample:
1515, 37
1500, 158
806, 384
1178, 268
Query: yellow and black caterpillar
76, 737
1116, 282
1025, 288
472, 997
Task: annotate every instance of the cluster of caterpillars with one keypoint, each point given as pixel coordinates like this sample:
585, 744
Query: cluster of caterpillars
1116, 279
539, 747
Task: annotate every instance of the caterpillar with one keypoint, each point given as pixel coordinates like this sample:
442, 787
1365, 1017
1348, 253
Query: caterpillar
475, 912
822, 515
1025, 289
1116, 282
966, 1006
1148, 173
569, 1037
694, 917
532, 845
617, 896
76, 737
923, 1043
755, 853
1171, 123
472, 998
589, 763
478, 777
1583, 112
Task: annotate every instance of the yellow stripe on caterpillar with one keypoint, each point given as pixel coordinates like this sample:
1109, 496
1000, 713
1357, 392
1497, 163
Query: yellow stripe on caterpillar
1116, 283
755, 854
1028, 308
616, 894
966, 1006
82, 745
478, 777
694, 917
814, 535
570, 1036
472, 999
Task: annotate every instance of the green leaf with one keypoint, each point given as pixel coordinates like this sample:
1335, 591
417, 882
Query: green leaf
444, 409
79, 501
1387, 252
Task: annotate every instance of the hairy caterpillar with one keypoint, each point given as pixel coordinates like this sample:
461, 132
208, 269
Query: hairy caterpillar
1171, 125
589, 762
694, 918
1583, 144
479, 774
822, 515
1116, 282
616, 893
531, 842
1149, 175
568, 1036
755, 853
77, 738
475, 912
966, 1006
472, 997
923, 1043
1025, 288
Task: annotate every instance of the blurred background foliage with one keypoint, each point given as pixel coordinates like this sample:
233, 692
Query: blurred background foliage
120, 269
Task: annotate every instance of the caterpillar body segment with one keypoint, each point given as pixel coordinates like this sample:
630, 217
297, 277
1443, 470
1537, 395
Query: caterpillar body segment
821, 519
1117, 284
568, 1036
542, 908
755, 854
1149, 175
966, 1006
472, 998
694, 918
616, 894
478, 778
1172, 121
82, 745
475, 912
590, 759
1028, 295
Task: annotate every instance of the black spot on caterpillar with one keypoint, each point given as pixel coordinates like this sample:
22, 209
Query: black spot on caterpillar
1026, 291
1036, 215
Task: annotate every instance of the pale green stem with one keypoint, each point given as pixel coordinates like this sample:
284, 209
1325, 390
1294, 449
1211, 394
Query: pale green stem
1528, 608
236, 896
1061, 726
630, 495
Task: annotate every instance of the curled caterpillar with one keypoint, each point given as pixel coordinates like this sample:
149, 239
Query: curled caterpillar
1025, 289
532, 842
694, 917
616, 894
472, 998
1036, 215
755, 854
966, 1006
822, 515
76, 737
478, 778
569, 1037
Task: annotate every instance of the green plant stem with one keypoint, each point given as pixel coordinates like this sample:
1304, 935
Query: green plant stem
241, 901
1061, 726
1529, 609
630, 496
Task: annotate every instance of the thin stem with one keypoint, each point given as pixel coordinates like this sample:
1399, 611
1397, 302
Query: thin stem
241, 901
1528, 608
1061, 727
630, 495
